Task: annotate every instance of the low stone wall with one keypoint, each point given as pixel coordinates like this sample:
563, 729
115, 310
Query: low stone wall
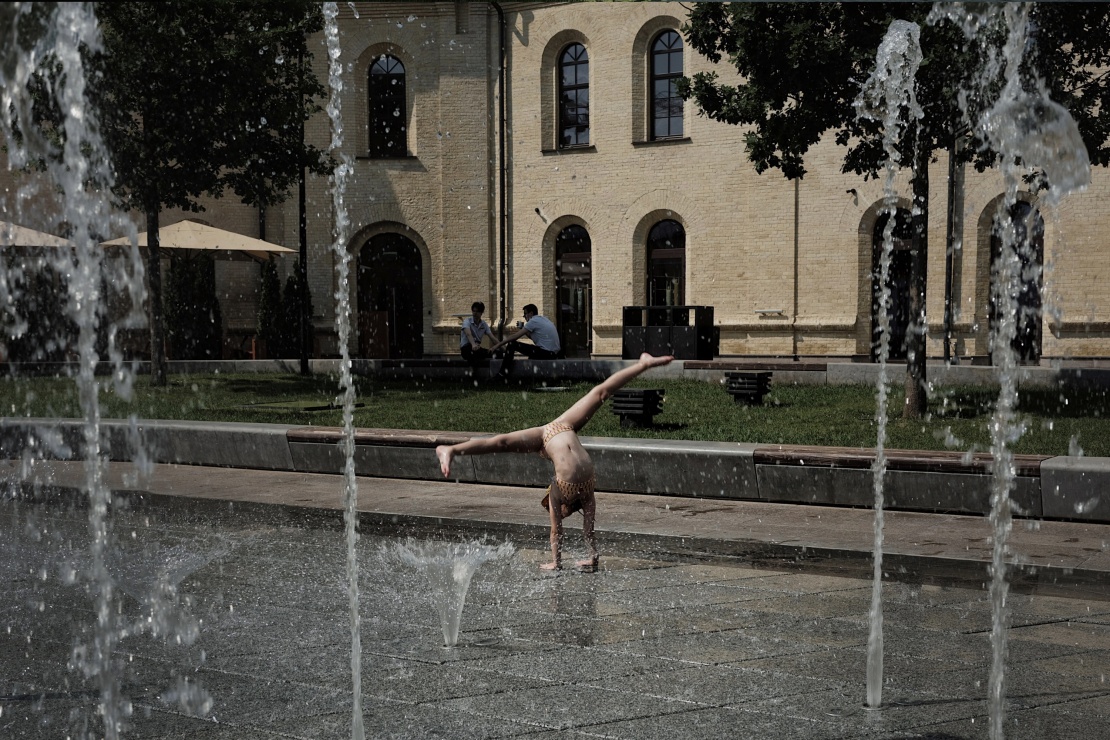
1074, 488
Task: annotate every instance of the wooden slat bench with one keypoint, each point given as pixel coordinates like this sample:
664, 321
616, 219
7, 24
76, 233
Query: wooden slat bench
637, 406
749, 387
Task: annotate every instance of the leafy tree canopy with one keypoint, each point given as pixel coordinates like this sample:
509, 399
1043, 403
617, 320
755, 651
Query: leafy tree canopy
200, 97
802, 65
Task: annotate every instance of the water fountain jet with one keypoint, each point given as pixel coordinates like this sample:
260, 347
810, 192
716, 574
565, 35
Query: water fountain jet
449, 568
886, 95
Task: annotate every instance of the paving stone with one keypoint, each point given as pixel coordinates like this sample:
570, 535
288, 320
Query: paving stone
899, 712
713, 648
574, 665
716, 722
1032, 724
48, 719
847, 667
564, 706
714, 685
383, 719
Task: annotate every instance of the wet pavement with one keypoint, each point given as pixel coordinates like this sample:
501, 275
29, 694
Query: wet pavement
708, 618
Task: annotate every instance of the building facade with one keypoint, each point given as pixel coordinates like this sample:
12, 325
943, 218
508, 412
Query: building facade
618, 194
522, 153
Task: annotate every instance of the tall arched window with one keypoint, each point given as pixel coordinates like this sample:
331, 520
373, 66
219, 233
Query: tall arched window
666, 71
666, 264
386, 93
1024, 293
574, 97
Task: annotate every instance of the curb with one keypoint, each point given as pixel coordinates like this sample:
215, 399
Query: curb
1064, 488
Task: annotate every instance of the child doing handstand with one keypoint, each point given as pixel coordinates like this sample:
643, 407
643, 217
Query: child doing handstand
572, 487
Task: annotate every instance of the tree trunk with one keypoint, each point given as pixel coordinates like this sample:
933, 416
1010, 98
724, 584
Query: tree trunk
157, 324
918, 329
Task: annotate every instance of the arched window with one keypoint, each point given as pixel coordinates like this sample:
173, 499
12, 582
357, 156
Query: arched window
1024, 293
386, 92
898, 283
573, 290
574, 97
666, 264
666, 71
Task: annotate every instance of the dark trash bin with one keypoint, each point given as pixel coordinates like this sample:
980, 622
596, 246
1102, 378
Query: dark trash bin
666, 330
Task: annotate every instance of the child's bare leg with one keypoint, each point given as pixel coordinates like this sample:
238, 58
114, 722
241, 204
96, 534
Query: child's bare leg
581, 412
589, 509
445, 453
555, 505
526, 440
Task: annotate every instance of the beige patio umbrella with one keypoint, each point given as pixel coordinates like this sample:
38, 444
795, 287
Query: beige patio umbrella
14, 235
190, 234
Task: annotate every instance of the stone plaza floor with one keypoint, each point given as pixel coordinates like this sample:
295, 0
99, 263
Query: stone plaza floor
652, 646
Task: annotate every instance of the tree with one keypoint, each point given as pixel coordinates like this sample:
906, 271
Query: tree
270, 316
198, 98
37, 328
802, 66
194, 321
297, 302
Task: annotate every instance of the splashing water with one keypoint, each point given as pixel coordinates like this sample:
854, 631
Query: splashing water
449, 567
888, 91
1033, 135
80, 170
343, 328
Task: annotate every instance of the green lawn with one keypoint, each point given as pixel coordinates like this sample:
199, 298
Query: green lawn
1055, 422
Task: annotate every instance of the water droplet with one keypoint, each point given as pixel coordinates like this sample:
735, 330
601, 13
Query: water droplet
1082, 507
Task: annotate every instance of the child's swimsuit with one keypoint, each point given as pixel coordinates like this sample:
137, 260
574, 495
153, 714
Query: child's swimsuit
572, 495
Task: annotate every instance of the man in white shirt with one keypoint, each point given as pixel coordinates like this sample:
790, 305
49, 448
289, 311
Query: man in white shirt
470, 338
545, 340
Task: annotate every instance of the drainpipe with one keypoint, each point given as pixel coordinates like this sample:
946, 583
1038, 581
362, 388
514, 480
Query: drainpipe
955, 235
794, 323
504, 216
304, 321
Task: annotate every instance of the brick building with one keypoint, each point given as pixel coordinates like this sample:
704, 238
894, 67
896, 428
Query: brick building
579, 178
615, 198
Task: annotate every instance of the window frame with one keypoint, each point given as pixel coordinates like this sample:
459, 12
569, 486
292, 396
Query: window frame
670, 78
377, 107
676, 259
562, 116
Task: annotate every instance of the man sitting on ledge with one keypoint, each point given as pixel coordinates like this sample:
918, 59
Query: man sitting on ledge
545, 341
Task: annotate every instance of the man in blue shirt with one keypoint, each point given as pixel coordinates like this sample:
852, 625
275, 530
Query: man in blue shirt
545, 340
470, 338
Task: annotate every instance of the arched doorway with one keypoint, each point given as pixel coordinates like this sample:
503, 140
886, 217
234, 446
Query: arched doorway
666, 264
390, 298
1028, 237
898, 281
573, 291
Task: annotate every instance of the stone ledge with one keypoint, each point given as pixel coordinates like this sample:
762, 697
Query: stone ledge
928, 461
1069, 488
